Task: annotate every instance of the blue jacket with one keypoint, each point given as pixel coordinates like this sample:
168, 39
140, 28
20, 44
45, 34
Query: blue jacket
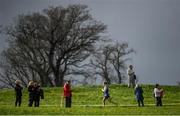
139, 93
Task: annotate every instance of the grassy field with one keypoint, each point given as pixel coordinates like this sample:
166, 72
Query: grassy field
87, 100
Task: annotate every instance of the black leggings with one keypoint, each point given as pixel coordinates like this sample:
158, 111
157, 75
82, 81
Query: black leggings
18, 100
158, 101
68, 102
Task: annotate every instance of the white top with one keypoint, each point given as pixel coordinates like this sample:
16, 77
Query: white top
105, 88
157, 92
130, 72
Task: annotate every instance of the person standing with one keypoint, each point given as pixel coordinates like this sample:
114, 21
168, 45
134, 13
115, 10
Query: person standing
36, 94
67, 94
18, 90
158, 95
139, 95
39, 94
31, 93
131, 76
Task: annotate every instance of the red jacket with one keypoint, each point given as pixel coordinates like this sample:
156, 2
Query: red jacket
67, 90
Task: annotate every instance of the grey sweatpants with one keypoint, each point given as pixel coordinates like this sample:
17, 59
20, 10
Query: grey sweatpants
131, 81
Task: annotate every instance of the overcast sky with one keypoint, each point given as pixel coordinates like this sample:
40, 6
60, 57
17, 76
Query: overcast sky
152, 28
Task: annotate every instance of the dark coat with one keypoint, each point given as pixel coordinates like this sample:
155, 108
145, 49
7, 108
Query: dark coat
18, 90
37, 92
31, 91
139, 93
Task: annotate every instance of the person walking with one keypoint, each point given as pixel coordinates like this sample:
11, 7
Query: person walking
106, 95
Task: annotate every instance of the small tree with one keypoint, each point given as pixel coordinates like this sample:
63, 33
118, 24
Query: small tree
100, 63
119, 51
109, 60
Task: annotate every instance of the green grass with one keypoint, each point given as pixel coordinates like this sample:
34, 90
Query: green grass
87, 100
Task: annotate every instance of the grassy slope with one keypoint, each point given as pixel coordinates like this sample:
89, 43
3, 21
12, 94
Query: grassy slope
84, 97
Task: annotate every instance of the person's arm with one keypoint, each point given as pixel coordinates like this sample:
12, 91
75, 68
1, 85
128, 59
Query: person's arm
130, 72
104, 89
155, 90
30, 89
15, 88
21, 88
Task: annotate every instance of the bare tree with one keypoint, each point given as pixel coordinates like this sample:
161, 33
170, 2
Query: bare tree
12, 68
108, 61
53, 41
119, 51
70, 38
100, 63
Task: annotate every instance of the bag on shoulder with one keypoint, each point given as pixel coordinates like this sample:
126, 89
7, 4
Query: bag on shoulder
134, 77
42, 93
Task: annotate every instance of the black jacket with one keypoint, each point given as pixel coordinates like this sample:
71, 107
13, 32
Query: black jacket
18, 90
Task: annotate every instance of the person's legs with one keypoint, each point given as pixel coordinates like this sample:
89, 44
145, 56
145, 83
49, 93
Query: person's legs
142, 102
68, 101
160, 101
36, 100
138, 102
16, 101
66, 98
110, 100
20, 100
157, 101
104, 99
35, 103
129, 81
30, 102
133, 82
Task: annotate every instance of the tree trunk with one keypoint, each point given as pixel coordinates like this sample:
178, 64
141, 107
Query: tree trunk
43, 81
106, 77
59, 78
119, 77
